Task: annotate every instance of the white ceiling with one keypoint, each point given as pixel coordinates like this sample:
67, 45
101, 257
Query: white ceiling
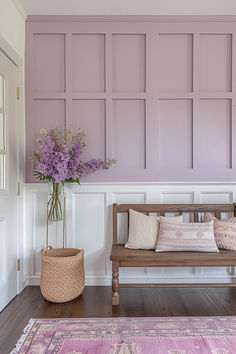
129, 7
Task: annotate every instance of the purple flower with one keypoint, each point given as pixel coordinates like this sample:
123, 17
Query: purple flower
59, 157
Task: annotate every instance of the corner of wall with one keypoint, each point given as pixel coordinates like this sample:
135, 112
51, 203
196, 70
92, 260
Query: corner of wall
20, 9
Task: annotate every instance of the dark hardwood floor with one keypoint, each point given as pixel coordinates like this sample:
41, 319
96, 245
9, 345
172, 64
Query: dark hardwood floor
96, 302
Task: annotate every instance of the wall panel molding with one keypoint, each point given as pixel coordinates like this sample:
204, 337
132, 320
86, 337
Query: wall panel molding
156, 93
89, 226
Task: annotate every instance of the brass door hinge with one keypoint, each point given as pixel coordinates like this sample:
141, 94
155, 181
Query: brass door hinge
17, 93
17, 188
18, 264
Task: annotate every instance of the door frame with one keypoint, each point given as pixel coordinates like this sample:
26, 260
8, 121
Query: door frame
6, 48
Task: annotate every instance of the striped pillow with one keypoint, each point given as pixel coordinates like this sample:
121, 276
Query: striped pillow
186, 236
225, 232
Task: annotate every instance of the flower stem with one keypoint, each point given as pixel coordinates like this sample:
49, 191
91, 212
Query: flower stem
55, 209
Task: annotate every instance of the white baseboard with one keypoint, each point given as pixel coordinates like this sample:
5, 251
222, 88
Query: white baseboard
106, 280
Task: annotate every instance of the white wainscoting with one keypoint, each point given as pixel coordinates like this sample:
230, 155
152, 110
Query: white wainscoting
89, 226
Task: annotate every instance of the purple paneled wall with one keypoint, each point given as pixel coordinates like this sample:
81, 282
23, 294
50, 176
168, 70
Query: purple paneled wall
158, 95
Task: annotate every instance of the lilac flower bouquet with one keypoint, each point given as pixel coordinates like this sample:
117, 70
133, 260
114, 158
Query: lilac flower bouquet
58, 160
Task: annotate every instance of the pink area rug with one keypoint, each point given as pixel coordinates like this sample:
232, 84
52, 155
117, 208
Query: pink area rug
170, 335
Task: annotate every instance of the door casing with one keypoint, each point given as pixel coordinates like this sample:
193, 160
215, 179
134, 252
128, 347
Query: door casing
17, 60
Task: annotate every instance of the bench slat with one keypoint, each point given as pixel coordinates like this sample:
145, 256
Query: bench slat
149, 258
174, 208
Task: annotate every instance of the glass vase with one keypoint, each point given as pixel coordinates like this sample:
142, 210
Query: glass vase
55, 201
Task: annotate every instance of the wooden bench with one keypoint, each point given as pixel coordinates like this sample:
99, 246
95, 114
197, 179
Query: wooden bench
124, 257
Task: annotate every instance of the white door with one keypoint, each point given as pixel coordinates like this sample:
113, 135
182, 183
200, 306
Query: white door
8, 179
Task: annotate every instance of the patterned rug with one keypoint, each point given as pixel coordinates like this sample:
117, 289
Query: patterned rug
170, 335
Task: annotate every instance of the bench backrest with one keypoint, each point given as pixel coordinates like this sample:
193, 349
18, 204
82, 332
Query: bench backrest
162, 209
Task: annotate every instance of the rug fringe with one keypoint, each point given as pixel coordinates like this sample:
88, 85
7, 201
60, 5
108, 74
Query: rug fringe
23, 337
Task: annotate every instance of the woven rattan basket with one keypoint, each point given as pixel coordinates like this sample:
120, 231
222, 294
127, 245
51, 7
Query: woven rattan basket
62, 274
62, 271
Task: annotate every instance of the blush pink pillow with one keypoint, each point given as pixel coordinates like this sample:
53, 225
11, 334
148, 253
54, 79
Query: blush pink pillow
225, 231
186, 236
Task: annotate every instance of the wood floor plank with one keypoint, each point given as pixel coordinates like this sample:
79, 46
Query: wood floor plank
96, 302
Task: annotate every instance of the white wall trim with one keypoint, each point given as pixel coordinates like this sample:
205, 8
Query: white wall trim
43, 184
103, 280
89, 226
16, 59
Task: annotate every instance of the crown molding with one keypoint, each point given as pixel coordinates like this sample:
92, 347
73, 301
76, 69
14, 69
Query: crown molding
130, 18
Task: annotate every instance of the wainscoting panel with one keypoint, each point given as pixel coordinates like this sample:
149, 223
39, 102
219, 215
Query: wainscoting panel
216, 56
54, 108
216, 197
156, 94
128, 64
129, 130
176, 62
90, 115
89, 226
49, 62
88, 62
176, 133
88, 229
214, 136
178, 198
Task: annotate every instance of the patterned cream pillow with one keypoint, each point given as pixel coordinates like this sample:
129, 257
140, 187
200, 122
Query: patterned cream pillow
186, 236
225, 231
143, 230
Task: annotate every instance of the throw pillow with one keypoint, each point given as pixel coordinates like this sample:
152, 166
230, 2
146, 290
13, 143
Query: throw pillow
143, 230
186, 236
225, 231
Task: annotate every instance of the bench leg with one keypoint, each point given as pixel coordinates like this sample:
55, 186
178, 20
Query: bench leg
115, 283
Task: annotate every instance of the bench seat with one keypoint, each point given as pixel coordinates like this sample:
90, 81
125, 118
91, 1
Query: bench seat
149, 258
125, 257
